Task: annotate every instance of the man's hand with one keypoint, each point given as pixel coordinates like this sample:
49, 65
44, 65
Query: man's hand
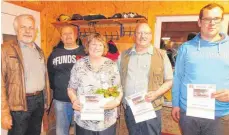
176, 113
76, 105
111, 104
221, 95
6, 122
151, 96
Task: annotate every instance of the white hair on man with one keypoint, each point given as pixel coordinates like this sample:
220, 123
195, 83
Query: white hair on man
25, 16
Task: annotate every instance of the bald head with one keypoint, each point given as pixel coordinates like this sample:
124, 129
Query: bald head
142, 26
143, 36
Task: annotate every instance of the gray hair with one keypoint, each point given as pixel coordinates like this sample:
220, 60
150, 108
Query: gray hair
17, 18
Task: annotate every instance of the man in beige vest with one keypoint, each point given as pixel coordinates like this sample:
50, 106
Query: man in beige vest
144, 68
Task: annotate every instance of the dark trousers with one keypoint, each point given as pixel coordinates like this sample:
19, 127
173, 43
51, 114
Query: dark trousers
28, 122
149, 127
109, 131
197, 126
200, 126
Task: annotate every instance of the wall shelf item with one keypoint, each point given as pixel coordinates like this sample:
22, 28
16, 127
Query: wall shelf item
120, 26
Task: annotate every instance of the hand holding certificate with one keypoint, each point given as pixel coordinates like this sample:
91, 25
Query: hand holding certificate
91, 107
141, 109
221, 95
199, 101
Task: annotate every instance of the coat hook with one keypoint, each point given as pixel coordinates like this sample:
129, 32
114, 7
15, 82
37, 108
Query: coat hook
106, 35
85, 33
94, 28
123, 31
130, 31
111, 36
117, 38
89, 31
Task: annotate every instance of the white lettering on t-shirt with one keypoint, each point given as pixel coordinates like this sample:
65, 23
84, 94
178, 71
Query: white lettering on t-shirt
64, 59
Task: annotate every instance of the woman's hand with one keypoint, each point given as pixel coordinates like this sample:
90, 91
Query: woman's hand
76, 105
112, 104
74, 99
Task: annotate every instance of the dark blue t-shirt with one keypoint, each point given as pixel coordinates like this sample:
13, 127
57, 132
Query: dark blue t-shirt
60, 63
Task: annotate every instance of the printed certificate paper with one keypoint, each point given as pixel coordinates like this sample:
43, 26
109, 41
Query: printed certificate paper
91, 109
199, 101
141, 109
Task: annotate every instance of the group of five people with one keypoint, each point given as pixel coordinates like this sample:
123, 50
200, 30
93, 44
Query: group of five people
74, 70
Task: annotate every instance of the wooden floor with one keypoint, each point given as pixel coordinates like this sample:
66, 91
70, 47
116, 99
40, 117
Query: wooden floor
52, 131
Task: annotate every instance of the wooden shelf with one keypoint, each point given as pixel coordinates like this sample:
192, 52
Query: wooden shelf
60, 24
132, 20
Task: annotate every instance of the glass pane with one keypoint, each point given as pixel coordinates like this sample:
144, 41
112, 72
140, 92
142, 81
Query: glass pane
173, 34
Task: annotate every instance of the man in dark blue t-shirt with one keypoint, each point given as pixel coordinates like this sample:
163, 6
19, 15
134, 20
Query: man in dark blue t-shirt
60, 63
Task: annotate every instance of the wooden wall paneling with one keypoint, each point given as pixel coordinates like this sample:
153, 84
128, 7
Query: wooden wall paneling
148, 9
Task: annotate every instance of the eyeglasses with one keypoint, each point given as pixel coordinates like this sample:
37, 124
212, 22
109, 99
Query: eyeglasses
217, 20
143, 33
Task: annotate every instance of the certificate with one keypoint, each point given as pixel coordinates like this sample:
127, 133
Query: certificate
199, 101
91, 107
141, 109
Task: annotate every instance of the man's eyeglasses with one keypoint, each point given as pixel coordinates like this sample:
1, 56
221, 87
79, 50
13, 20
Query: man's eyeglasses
216, 20
143, 33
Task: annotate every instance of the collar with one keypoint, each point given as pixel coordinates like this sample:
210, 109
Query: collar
22, 45
149, 50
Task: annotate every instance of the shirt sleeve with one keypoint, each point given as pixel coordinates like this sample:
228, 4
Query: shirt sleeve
178, 76
5, 110
168, 71
119, 62
116, 77
51, 71
74, 80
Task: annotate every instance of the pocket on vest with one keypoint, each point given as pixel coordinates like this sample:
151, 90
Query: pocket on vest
158, 76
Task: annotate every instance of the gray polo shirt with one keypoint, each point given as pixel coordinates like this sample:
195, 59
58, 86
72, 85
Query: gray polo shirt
34, 67
138, 71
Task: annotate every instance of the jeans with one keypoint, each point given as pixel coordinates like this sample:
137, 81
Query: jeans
28, 122
149, 127
64, 113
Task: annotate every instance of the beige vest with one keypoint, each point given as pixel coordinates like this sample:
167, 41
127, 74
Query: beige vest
156, 77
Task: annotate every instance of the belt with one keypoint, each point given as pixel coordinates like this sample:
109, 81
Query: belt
34, 94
